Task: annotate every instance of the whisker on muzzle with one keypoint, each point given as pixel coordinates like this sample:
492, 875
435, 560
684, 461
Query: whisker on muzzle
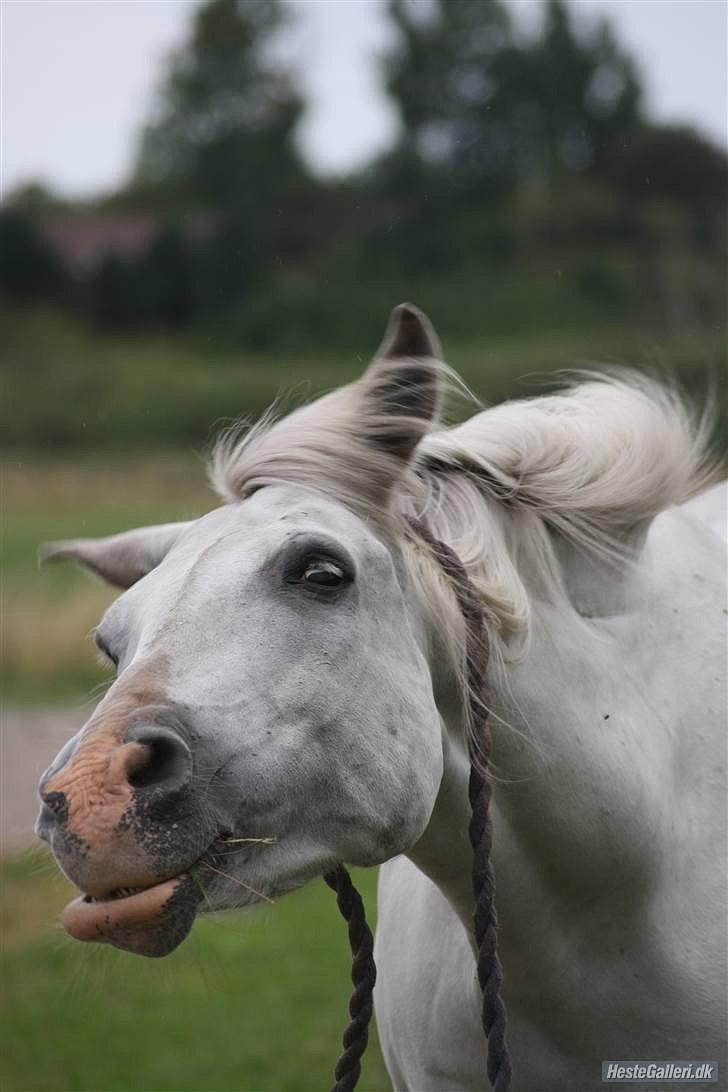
234, 879
262, 841
201, 887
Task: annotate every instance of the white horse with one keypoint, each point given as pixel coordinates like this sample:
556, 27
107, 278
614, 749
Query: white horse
290, 668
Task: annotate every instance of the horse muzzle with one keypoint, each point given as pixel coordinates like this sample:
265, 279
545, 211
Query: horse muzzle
120, 814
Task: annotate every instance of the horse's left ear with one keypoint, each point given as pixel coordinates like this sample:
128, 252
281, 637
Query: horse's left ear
122, 559
402, 389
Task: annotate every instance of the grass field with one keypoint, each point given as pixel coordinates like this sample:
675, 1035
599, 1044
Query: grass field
252, 1002
66, 387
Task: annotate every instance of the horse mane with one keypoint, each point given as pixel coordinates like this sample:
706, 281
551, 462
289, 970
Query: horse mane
590, 465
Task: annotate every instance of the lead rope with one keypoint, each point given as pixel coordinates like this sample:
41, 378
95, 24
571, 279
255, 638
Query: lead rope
363, 975
480, 745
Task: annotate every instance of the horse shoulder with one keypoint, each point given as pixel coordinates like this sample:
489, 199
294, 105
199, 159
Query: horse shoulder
427, 1000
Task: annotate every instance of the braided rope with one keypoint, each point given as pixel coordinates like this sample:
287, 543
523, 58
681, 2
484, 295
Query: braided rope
363, 976
480, 744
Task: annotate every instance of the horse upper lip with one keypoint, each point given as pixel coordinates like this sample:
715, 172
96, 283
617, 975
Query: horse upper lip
113, 894
99, 893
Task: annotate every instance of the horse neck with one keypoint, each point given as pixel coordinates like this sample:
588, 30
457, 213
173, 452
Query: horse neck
551, 800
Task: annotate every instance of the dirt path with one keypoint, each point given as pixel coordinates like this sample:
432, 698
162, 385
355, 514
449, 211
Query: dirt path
29, 740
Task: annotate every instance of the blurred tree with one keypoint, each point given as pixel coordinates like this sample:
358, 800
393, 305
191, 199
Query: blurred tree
222, 141
675, 181
33, 198
674, 163
524, 182
490, 112
583, 94
223, 132
160, 288
29, 270
445, 74
166, 280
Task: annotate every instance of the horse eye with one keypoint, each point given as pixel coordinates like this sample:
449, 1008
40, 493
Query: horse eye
105, 650
324, 574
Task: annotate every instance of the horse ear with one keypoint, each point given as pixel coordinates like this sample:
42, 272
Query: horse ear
402, 389
120, 560
409, 333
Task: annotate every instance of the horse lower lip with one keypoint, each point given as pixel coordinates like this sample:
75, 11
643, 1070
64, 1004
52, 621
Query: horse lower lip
147, 921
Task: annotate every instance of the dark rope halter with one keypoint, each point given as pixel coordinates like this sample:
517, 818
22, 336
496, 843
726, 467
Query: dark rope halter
480, 745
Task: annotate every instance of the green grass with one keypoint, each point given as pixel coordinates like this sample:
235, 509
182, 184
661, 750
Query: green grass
252, 1002
65, 386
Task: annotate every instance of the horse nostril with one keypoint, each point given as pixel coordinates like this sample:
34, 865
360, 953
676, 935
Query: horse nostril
54, 802
49, 819
163, 761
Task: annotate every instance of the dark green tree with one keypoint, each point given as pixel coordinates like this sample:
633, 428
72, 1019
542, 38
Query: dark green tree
673, 162
446, 74
581, 92
222, 141
490, 112
222, 135
29, 270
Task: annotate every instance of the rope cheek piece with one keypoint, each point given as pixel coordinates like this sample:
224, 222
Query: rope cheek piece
490, 974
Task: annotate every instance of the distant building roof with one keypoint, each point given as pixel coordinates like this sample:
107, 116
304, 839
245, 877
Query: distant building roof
84, 241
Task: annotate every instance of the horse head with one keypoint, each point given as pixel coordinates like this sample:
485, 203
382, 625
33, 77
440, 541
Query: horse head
273, 709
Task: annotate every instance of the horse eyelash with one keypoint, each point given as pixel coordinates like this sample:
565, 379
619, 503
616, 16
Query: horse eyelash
107, 656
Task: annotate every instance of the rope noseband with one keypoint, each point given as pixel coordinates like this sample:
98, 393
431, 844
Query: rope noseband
480, 744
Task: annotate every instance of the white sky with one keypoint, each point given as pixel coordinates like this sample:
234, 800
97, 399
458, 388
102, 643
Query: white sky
79, 77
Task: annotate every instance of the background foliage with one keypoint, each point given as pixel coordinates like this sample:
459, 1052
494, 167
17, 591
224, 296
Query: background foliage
527, 190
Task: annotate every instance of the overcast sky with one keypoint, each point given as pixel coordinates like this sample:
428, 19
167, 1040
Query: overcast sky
79, 77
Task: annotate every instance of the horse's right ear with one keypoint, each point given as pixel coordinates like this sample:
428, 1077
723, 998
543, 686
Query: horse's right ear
402, 389
120, 560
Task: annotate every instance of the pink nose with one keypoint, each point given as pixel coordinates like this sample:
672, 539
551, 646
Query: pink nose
153, 762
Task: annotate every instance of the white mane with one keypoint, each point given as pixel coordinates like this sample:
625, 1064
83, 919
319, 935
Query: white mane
590, 466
